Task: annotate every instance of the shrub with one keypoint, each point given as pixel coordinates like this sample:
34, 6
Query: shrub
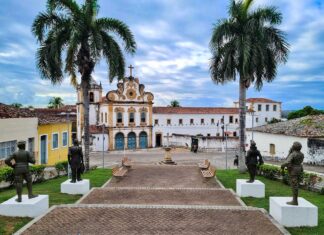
61, 166
6, 174
269, 171
37, 172
322, 191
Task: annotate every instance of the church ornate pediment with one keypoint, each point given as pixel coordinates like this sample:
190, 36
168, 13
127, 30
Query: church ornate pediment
130, 90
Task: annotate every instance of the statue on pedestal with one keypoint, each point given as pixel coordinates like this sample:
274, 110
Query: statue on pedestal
253, 157
75, 158
19, 161
295, 169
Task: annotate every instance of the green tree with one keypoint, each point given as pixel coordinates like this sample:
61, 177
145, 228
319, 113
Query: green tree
17, 105
307, 110
67, 28
248, 45
174, 103
55, 103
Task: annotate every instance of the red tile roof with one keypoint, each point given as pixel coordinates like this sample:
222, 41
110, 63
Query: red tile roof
194, 110
97, 129
259, 100
45, 116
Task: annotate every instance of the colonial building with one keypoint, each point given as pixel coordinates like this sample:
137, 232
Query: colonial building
126, 119
274, 140
125, 114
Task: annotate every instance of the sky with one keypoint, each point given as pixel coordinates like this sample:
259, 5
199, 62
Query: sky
173, 56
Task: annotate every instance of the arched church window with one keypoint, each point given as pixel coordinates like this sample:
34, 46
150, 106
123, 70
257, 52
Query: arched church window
91, 97
119, 117
131, 118
143, 116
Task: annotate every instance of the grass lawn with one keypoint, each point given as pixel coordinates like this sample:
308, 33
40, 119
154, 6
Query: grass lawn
8, 225
275, 188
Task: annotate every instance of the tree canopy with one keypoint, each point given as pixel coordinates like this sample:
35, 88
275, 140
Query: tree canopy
307, 110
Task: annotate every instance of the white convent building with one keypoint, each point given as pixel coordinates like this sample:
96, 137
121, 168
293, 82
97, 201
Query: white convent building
126, 119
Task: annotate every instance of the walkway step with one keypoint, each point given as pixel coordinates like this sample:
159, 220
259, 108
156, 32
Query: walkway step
162, 196
105, 219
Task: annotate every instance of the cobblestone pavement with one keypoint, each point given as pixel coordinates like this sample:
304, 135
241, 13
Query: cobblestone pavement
162, 176
105, 220
161, 196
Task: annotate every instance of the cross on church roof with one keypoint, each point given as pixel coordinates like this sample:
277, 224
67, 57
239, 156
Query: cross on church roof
130, 70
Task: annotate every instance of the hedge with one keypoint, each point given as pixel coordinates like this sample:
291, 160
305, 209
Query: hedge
308, 180
37, 172
61, 166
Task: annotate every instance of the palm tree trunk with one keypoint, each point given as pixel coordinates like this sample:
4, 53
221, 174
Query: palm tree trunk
85, 92
242, 114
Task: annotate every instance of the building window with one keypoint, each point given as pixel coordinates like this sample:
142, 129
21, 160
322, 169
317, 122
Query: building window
64, 139
202, 121
55, 142
168, 121
259, 107
119, 117
234, 133
106, 117
274, 107
7, 148
236, 120
266, 119
156, 122
256, 119
230, 119
212, 121
143, 117
101, 117
272, 149
180, 121
208, 135
131, 117
91, 97
31, 144
267, 107
191, 121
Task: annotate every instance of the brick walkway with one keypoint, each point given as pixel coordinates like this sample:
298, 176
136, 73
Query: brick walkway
162, 197
161, 176
101, 220
156, 200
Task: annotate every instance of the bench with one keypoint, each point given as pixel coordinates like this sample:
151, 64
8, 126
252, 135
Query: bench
126, 162
209, 173
204, 165
119, 171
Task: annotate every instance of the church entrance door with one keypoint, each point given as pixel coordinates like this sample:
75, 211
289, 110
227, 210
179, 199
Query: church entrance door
131, 140
143, 140
119, 141
158, 140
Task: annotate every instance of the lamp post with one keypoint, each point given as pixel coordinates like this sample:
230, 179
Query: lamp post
251, 112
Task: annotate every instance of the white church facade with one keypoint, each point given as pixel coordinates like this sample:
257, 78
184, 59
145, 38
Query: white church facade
125, 118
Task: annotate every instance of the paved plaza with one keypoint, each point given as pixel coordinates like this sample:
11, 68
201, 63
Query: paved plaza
157, 199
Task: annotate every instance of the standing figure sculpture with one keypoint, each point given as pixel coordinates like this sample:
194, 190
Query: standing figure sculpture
252, 158
295, 169
75, 158
19, 161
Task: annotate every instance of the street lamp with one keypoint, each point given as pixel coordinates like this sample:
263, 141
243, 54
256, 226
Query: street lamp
251, 112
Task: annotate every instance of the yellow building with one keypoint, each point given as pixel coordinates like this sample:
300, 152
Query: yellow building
53, 141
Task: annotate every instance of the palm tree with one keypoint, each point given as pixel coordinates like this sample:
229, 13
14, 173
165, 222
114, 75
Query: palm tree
247, 44
174, 103
66, 28
55, 103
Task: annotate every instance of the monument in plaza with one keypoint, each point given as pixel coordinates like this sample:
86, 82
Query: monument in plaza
295, 169
253, 158
19, 161
30, 205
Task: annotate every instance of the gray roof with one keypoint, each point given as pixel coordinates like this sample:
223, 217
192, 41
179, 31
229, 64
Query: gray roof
309, 126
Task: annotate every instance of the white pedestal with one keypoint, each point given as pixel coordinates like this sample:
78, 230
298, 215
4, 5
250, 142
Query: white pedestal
305, 214
79, 187
244, 189
27, 208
